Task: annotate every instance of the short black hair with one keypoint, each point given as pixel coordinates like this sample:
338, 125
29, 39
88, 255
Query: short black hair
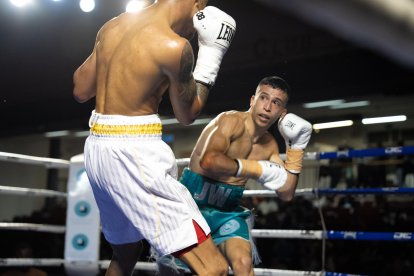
276, 82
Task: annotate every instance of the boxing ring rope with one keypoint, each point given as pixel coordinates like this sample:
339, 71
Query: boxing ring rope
57, 229
247, 193
30, 192
307, 192
152, 267
258, 233
50, 163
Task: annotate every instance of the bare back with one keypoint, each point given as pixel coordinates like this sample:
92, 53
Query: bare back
228, 135
130, 78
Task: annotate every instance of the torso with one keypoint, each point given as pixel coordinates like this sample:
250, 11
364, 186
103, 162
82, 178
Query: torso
242, 146
129, 77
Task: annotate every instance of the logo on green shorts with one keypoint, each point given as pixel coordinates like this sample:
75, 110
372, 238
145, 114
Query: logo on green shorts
229, 227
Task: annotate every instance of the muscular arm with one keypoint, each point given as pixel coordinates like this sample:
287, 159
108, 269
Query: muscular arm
214, 159
187, 97
84, 78
287, 191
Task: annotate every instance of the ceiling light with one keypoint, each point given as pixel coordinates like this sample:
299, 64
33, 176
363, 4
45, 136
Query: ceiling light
323, 103
333, 124
350, 105
20, 3
387, 119
87, 5
136, 5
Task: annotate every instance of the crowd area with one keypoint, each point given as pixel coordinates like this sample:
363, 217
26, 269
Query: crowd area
340, 213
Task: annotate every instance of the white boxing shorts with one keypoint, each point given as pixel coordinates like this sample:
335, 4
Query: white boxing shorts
133, 175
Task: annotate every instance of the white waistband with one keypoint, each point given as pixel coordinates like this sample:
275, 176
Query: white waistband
123, 120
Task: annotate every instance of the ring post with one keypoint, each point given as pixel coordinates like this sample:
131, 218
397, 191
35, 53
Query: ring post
82, 238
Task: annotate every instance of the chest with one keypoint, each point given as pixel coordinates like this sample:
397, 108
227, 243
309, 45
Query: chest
244, 147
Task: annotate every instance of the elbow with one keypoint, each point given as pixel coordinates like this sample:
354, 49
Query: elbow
186, 120
207, 162
188, 117
185, 113
81, 92
288, 198
287, 191
79, 97
284, 196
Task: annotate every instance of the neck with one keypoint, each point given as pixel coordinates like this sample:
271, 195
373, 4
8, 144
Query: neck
177, 17
254, 131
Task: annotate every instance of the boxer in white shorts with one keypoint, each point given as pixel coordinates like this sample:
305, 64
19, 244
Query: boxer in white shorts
133, 175
137, 58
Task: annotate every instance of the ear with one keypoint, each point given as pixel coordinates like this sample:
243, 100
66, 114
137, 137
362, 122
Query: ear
199, 5
195, 7
252, 100
284, 112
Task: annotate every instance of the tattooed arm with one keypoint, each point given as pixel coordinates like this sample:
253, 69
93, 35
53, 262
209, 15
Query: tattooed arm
187, 96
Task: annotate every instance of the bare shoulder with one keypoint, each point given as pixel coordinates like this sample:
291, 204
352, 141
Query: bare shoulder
172, 46
232, 121
108, 25
175, 55
231, 116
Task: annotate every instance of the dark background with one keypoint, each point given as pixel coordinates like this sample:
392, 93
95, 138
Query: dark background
42, 45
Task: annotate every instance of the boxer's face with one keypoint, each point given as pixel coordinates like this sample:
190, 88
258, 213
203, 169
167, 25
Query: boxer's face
267, 105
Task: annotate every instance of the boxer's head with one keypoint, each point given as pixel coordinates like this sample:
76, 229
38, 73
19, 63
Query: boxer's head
189, 8
268, 103
276, 82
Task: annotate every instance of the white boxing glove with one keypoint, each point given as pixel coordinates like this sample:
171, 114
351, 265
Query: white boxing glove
295, 130
215, 30
297, 133
269, 174
273, 176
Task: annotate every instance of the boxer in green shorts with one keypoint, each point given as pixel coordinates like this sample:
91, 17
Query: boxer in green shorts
237, 146
219, 204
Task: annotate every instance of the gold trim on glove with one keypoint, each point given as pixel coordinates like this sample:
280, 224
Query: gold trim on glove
294, 160
249, 168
